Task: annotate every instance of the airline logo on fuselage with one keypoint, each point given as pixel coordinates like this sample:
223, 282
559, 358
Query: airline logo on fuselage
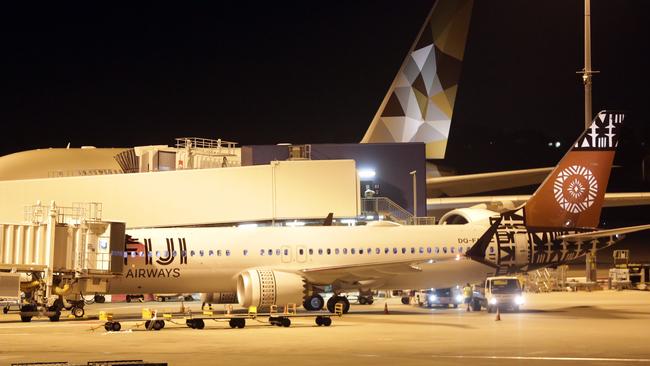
141, 255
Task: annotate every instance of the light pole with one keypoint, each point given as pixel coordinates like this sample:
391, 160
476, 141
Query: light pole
415, 194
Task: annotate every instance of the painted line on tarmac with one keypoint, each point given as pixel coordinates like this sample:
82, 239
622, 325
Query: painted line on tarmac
540, 358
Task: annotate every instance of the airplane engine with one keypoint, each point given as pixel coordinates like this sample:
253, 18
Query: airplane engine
264, 287
468, 215
219, 298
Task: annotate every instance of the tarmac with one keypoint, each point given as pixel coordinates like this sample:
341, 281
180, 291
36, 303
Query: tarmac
585, 328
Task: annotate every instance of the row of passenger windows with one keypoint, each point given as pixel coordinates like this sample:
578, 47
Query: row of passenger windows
301, 251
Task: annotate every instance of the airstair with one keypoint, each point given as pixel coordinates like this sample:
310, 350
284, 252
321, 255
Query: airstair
56, 255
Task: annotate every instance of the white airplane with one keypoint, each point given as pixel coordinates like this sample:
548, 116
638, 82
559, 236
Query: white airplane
263, 266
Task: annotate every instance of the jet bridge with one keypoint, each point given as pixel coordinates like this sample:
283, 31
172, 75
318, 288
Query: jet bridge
56, 255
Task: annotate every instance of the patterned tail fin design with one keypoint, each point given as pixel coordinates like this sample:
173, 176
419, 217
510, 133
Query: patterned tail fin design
572, 195
420, 102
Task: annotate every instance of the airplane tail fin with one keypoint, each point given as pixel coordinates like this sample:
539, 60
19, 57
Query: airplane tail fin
572, 195
420, 102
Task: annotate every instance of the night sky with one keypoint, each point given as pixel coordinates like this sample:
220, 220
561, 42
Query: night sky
308, 72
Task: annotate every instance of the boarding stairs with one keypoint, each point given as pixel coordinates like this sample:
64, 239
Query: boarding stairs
383, 208
547, 279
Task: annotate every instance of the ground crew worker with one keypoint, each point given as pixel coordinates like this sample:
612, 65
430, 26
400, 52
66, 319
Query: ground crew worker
467, 294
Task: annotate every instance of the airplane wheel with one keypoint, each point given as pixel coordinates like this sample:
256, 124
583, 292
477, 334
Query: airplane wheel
116, 327
78, 312
405, 300
327, 321
370, 300
314, 302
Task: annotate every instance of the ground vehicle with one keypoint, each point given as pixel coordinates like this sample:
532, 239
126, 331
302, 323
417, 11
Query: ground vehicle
503, 292
439, 297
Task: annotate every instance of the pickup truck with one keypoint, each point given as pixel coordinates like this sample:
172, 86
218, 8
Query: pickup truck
502, 292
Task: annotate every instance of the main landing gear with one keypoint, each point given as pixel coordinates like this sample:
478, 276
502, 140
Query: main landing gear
313, 302
366, 300
331, 303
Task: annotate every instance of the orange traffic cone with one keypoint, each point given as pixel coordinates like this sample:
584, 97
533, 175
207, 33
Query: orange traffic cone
385, 308
498, 315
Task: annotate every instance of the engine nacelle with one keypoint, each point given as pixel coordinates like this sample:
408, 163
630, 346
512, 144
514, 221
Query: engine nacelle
265, 287
468, 215
219, 298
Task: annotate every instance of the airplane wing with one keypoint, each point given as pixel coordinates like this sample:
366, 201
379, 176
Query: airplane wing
361, 272
604, 233
458, 185
499, 203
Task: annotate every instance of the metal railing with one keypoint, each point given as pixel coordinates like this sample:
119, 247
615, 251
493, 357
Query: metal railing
391, 211
203, 146
79, 211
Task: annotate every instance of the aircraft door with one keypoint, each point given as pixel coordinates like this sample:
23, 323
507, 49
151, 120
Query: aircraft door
286, 254
301, 254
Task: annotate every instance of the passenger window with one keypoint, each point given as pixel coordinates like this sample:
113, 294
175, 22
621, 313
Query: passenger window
261, 251
278, 252
201, 252
437, 250
174, 253
352, 251
428, 250
270, 252
320, 251
491, 250
286, 252
394, 250
403, 250
218, 253
142, 254
421, 250
150, 254
245, 252
301, 251
460, 249
211, 253
227, 253
369, 251
165, 254
412, 250
192, 253
451, 249
386, 250
311, 251
377, 251
126, 254
336, 251
345, 250
329, 251
444, 249
361, 251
